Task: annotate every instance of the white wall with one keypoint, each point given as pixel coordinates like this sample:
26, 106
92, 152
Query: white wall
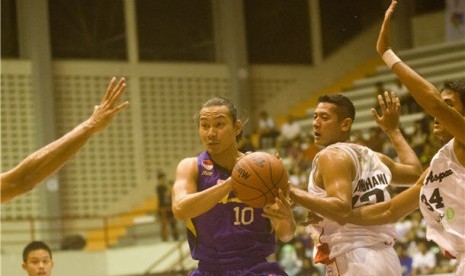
113, 262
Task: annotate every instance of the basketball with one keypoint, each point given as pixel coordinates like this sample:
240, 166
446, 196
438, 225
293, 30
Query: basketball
257, 177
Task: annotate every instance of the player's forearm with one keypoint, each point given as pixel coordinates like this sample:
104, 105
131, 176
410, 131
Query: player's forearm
329, 207
44, 162
195, 204
405, 153
424, 93
388, 211
379, 213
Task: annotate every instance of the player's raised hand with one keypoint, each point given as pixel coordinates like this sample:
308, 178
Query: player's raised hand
383, 44
390, 112
107, 109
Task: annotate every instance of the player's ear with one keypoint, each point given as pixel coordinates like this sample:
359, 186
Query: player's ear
238, 127
346, 124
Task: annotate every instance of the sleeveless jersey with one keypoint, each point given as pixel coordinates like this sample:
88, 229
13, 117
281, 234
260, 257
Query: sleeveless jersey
369, 187
442, 201
231, 235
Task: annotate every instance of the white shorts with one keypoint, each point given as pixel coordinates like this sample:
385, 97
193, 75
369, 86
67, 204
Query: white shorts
371, 261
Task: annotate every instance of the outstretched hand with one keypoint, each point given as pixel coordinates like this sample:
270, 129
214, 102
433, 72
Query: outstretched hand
390, 112
383, 44
107, 109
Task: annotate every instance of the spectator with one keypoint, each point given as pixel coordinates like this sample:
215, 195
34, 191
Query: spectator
419, 138
37, 259
404, 258
267, 131
376, 140
290, 131
289, 260
379, 91
165, 214
309, 150
245, 144
424, 260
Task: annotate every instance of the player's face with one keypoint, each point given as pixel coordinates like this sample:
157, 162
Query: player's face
453, 100
38, 263
327, 129
217, 130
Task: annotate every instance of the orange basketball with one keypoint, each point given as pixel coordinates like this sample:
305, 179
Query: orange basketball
257, 177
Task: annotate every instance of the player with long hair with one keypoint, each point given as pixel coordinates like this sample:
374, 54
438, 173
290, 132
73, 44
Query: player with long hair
227, 236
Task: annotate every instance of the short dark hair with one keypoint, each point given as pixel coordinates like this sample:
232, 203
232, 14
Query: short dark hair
35, 245
222, 101
458, 86
345, 107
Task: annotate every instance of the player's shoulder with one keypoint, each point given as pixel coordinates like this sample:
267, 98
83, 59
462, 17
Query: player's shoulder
188, 162
338, 149
334, 154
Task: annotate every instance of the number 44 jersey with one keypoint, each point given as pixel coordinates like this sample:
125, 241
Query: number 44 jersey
368, 187
442, 201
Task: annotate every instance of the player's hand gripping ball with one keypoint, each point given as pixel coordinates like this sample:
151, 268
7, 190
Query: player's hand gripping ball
257, 177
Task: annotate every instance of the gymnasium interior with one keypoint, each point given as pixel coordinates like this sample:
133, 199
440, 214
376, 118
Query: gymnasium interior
99, 213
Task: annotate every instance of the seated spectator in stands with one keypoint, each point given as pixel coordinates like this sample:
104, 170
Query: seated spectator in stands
357, 137
424, 260
404, 258
297, 176
379, 90
246, 144
289, 260
398, 87
418, 138
444, 265
309, 150
165, 212
37, 259
376, 140
267, 131
290, 131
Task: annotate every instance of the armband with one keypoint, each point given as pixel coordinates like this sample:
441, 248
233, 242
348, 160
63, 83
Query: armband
390, 58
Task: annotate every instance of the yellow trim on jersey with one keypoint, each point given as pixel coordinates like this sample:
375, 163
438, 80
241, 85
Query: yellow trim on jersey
190, 226
226, 200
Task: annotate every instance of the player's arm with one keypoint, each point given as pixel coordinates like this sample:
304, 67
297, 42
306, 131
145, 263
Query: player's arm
44, 162
336, 170
187, 201
409, 167
282, 219
389, 211
425, 94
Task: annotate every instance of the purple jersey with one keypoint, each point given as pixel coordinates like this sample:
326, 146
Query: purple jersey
231, 235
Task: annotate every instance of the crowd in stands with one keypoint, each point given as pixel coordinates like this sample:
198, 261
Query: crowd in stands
297, 150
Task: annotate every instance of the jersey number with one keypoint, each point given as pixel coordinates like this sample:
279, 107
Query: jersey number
434, 199
243, 216
366, 196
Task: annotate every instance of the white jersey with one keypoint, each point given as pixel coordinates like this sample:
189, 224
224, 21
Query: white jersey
442, 201
369, 187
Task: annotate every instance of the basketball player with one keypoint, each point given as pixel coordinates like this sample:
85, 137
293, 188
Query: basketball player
37, 259
45, 161
227, 236
346, 175
439, 193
